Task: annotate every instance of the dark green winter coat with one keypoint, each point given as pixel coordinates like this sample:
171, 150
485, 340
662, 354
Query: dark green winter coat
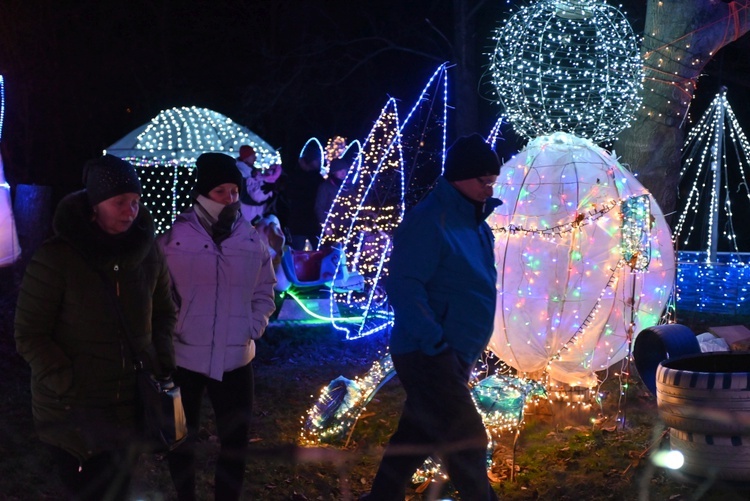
67, 327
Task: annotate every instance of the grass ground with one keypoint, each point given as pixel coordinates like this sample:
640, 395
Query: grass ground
559, 455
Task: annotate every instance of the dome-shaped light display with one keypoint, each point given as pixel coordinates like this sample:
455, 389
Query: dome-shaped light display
568, 66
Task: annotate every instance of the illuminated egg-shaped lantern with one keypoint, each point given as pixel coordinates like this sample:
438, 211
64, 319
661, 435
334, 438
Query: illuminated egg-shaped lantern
567, 66
585, 260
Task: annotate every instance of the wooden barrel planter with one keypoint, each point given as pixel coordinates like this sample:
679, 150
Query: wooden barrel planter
705, 400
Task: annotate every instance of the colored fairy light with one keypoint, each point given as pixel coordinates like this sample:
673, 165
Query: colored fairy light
499, 398
567, 66
165, 149
584, 250
341, 403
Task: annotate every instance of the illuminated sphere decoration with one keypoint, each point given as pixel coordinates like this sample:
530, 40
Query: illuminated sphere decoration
584, 256
567, 66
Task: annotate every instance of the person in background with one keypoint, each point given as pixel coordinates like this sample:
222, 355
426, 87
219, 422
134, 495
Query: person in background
441, 286
69, 330
223, 285
329, 188
258, 190
301, 190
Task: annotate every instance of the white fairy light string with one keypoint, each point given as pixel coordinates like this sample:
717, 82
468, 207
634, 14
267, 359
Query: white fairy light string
165, 149
713, 275
705, 171
570, 66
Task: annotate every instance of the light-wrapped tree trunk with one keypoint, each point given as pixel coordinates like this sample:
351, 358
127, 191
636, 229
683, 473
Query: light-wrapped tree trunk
680, 37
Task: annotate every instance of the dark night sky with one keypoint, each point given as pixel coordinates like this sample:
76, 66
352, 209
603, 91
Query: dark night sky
80, 75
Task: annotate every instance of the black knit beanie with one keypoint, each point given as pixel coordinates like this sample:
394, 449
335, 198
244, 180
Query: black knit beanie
338, 164
470, 157
108, 176
215, 169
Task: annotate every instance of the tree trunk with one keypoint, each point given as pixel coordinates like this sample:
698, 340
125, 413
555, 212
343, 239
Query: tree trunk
465, 56
680, 37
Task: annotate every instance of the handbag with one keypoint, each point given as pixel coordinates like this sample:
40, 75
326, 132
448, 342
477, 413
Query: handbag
161, 417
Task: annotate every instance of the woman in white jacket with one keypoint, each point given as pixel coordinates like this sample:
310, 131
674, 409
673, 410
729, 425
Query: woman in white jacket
223, 282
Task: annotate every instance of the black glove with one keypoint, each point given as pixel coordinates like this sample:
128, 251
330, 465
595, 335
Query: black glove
268, 187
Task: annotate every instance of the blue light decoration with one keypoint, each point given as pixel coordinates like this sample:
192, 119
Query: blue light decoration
10, 249
314, 144
495, 133
713, 274
2, 105
164, 151
391, 171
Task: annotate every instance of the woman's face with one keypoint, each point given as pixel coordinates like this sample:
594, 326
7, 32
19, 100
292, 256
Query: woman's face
225, 194
116, 215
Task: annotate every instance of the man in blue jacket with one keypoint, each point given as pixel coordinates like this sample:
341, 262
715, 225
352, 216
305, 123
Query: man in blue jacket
441, 285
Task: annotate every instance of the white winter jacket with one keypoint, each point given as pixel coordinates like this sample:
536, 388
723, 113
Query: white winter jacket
224, 294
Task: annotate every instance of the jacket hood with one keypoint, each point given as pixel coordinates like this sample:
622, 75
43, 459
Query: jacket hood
73, 223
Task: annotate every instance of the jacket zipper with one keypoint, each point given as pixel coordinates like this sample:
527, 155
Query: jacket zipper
122, 348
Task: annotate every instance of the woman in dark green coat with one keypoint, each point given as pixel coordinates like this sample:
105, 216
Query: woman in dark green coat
68, 329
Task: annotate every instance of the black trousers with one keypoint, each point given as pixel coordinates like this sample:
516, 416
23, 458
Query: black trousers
439, 418
232, 401
103, 477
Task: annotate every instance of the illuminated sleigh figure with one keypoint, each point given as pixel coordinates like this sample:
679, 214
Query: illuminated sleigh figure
391, 171
320, 268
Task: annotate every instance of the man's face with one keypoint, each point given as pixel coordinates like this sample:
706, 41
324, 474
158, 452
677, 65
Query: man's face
477, 189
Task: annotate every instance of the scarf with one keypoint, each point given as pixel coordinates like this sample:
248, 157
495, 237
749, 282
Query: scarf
218, 219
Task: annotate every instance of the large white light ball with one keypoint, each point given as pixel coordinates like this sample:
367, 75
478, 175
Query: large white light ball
568, 66
585, 260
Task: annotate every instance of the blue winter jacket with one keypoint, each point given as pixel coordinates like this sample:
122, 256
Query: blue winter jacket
442, 278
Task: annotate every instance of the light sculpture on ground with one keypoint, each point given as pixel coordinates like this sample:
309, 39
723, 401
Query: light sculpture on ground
713, 274
567, 66
165, 149
585, 260
10, 249
500, 400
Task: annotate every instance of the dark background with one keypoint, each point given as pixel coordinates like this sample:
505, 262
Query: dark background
80, 75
